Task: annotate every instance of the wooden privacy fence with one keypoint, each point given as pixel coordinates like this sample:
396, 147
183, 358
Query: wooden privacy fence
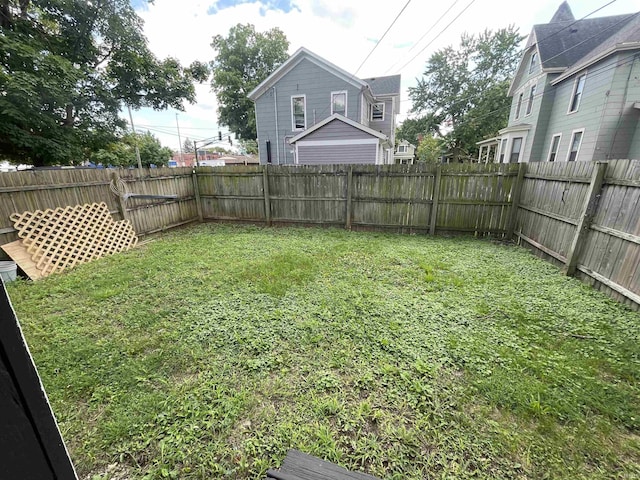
583, 215
42, 189
417, 198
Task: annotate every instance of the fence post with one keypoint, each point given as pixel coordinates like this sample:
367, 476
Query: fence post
267, 200
584, 221
196, 194
434, 203
122, 204
349, 196
515, 200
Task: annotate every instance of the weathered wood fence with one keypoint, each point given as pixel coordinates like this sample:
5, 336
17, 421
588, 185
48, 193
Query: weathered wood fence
584, 216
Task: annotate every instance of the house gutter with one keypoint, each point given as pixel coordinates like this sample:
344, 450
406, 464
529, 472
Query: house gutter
275, 113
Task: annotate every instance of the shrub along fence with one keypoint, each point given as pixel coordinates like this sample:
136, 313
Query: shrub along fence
584, 216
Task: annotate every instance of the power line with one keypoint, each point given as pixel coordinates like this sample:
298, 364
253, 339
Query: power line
382, 37
425, 34
438, 35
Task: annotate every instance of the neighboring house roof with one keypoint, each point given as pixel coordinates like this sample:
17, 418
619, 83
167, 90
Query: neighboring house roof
299, 55
382, 86
566, 45
338, 117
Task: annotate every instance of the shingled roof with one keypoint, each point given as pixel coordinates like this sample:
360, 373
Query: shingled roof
380, 86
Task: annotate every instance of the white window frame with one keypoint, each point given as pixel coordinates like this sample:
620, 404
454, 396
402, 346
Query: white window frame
383, 112
513, 139
532, 65
346, 98
553, 137
519, 105
402, 149
574, 90
502, 153
530, 99
293, 120
573, 134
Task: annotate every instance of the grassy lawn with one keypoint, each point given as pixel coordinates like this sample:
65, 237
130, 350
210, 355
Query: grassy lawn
213, 350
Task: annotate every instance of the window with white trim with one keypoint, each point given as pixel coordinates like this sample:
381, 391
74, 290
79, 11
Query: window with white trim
377, 111
503, 149
402, 149
519, 105
578, 88
553, 150
298, 110
534, 62
339, 103
532, 94
516, 146
574, 146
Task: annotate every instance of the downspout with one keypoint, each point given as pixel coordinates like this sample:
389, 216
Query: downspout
275, 113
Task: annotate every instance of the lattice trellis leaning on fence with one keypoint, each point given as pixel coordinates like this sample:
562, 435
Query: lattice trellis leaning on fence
62, 238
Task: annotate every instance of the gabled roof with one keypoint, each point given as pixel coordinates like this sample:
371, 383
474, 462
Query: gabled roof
566, 45
299, 55
338, 117
381, 86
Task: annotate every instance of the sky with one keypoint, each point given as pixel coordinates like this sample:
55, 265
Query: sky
342, 31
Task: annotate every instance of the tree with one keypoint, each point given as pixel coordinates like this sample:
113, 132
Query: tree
466, 89
429, 149
187, 146
412, 129
122, 153
249, 147
244, 58
66, 69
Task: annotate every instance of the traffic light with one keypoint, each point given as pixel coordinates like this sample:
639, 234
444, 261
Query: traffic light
219, 135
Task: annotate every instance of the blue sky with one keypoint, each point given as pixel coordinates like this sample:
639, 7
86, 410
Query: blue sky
343, 32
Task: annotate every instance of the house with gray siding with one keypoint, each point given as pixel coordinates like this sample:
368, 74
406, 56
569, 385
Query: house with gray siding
310, 111
576, 93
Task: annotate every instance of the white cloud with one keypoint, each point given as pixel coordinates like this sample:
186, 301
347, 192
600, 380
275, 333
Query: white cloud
341, 32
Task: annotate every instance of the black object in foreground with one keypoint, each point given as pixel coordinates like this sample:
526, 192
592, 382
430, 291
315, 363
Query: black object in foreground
300, 466
31, 447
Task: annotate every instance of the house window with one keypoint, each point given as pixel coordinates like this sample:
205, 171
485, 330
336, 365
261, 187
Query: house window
577, 93
534, 62
553, 151
402, 149
532, 94
574, 146
339, 103
377, 111
503, 149
516, 146
298, 120
519, 105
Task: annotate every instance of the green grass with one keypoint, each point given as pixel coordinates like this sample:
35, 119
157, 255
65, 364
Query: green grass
212, 351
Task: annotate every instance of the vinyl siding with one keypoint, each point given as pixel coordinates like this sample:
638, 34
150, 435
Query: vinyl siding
329, 154
305, 78
589, 116
385, 124
337, 130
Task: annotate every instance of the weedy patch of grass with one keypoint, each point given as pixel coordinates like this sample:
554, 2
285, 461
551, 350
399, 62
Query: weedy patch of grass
213, 350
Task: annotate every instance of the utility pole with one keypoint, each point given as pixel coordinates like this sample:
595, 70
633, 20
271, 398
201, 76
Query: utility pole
135, 140
179, 140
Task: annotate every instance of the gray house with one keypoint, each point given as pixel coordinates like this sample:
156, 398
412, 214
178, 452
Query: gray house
310, 111
576, 93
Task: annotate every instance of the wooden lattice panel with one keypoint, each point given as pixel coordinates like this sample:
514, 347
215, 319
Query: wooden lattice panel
62, 238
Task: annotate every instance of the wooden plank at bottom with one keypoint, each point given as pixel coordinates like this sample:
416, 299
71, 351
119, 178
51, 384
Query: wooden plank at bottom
301, 466
18, 253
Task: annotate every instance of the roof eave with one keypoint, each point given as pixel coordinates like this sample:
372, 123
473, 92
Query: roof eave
622, 47
348, 121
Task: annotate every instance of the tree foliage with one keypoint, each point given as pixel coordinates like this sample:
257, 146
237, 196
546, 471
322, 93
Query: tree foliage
413, 129
67, 67
465, 89
429, 149
122, 153
244, 58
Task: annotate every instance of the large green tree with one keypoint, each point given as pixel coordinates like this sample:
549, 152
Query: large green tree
465, 89
244, 58
122, 153
67, 67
